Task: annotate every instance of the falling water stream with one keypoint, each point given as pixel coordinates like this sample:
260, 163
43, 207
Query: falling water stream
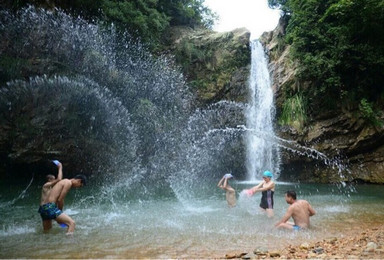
262, 154
161, 202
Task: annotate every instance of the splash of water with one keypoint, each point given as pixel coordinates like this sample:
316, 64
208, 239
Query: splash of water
307, 152
126, 108
211, 146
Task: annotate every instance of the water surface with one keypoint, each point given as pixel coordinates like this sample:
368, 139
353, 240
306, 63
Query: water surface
165, 227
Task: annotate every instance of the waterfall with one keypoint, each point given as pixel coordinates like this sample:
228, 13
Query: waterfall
262, 153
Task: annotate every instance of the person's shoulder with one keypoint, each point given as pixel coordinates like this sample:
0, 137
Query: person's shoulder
64, 181
47, 184
303, 202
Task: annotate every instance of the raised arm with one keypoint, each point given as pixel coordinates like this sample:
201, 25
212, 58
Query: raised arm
50, 184
220, 184
225, 184
59, 171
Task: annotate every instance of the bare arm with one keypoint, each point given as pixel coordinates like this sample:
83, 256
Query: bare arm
225, 184
220, 183
60, 201
286, 217
267, 186
59, 171
59, 177
311, 210
257, 187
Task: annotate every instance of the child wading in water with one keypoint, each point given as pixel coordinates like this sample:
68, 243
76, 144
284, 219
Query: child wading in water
230, 193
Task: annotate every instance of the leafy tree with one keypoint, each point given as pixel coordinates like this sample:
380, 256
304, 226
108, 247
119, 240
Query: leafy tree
188, 12
340, 48
141, 18
144, 19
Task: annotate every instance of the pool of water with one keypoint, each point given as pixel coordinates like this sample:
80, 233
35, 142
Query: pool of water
165, 227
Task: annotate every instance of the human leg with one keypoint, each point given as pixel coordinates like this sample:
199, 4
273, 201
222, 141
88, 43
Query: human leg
64, 218
286, 226
47, 224
48, 212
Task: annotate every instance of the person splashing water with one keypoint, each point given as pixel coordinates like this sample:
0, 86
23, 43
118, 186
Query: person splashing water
267, 188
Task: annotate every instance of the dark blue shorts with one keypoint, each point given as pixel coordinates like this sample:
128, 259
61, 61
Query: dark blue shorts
49, 211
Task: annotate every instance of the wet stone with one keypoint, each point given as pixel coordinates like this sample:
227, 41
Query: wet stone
247, 256
318, 250
260, 251
274, 254
371, 246
304, 246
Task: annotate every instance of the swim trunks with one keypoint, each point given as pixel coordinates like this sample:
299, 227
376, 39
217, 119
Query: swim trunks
49, 211
296, 228
266, 199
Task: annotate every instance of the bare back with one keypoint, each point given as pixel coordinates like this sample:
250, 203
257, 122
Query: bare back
59, 191
230, 195
301, 210
45, 192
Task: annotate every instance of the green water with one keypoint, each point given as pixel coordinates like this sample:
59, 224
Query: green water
165, 227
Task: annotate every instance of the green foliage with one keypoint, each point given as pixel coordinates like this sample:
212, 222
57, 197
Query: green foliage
280, 4
340, 47
209, 61
369, 114
140, 18
190, 13
144, 19
294, 112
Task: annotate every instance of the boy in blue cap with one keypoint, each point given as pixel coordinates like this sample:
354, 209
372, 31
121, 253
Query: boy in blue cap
267, 188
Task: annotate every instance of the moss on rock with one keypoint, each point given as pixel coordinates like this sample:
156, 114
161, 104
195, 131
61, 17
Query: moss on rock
211, 61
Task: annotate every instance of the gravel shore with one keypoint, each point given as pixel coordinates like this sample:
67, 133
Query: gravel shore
359, 244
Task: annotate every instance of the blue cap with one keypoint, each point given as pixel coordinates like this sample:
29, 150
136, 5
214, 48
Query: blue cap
267, 174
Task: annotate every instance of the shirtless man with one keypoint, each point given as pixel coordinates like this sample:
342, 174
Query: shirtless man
51, 181
230, 193
52, 206
267, 188
299, 210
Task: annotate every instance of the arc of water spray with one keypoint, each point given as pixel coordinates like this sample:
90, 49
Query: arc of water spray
21, 195
296, 148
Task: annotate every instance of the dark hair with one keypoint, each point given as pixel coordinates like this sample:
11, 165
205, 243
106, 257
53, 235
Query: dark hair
49, 177
291, 194
82, 178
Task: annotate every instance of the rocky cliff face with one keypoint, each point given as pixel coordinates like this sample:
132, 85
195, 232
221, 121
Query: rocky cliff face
216, 64
348, 140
